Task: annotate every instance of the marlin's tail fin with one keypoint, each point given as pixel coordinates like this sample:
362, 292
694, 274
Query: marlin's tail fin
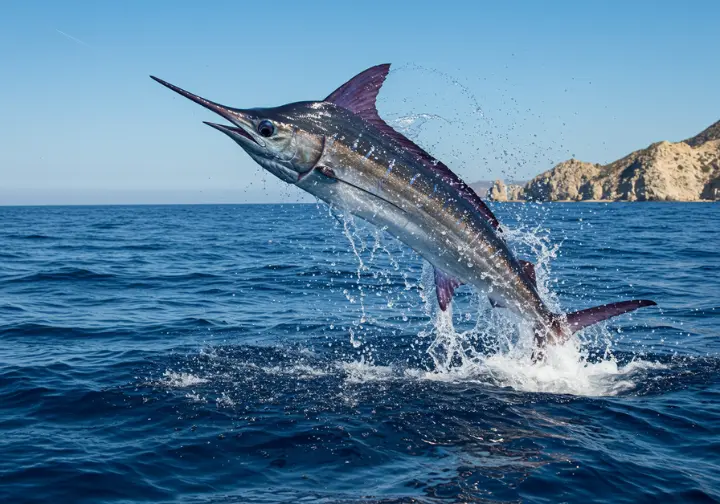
562, 327
581, 319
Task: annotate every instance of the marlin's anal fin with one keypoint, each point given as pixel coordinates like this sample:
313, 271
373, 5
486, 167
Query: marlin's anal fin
529, 270
445, 286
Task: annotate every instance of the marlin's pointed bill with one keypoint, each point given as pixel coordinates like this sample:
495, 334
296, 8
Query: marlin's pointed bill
340, 150
223, 111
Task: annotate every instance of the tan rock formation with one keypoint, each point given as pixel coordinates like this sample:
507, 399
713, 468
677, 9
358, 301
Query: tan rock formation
498, 191
515, 192
510, 192
570, 180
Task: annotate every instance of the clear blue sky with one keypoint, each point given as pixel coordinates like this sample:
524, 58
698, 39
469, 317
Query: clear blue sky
82, 122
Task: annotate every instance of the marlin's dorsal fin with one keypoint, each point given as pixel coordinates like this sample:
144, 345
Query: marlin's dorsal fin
358, 95
445, 286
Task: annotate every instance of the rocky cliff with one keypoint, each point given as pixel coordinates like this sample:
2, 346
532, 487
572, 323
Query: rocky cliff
664, 171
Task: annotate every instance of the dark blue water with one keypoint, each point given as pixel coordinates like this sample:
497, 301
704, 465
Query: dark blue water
243, 354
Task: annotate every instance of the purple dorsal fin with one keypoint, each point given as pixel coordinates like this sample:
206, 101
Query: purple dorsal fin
445, 286
358, 95
529, 270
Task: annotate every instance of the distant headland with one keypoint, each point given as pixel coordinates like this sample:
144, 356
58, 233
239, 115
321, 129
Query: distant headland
664, 171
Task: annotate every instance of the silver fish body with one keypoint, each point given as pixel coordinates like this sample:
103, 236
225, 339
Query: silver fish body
341, 151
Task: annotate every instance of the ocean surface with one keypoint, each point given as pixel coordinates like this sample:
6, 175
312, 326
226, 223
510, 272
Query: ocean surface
286, 353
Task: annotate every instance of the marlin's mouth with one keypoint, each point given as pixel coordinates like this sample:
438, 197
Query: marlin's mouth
231, 130
234, 116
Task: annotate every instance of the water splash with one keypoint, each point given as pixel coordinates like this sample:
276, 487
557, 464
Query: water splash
362, 371
566, 369
412, 125
376, 273
498, 349
509, 139
348, 223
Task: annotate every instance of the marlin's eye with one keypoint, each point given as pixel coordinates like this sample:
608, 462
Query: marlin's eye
266, 128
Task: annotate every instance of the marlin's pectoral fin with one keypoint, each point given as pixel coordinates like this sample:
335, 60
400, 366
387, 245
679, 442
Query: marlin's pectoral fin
327, 171
445, 286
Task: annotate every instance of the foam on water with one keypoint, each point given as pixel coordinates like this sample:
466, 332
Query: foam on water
302, 371
566, 369
362, 371
181, 380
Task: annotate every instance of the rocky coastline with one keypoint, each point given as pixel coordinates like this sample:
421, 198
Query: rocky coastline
664, 171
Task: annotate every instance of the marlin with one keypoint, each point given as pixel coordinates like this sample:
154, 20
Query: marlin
341, 151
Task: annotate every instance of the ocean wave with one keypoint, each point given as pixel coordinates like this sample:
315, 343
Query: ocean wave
32, 236
62, 274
